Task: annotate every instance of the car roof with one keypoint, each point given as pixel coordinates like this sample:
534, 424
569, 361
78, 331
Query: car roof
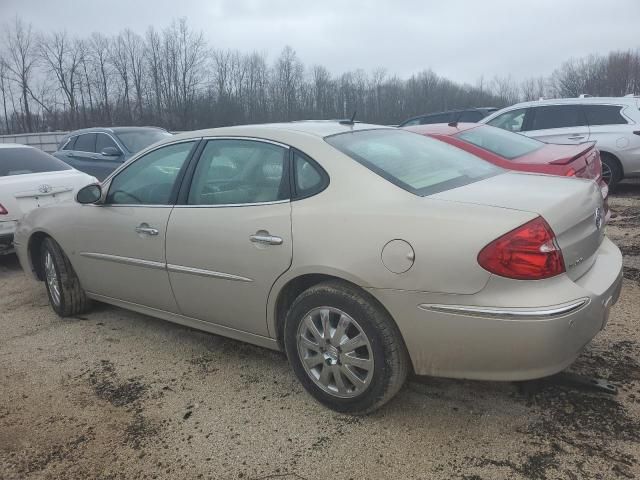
317, 128
111, 130
442, 128
579, 101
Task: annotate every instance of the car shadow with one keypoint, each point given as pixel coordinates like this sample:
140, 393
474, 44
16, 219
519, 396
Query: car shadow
628, 188
9, 263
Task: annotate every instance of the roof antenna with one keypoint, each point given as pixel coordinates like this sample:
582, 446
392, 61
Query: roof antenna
454, 122
351, 121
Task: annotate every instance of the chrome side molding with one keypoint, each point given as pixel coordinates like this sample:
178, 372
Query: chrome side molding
508, 313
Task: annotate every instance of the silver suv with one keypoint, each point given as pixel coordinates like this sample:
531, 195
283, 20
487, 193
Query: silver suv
613, 122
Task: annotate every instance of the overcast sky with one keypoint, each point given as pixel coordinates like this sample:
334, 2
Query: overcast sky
462, 39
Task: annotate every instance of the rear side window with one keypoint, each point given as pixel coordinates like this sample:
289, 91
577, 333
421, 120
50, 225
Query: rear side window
512, 120
103, 141
438, 118
557, 116
21, 161
234, 172
85, 143
471, 116
604, 115
506, 144
418, 164
309, 179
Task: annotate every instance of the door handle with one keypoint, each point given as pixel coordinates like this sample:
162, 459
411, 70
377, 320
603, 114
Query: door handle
265, 239
576, 137
145, 229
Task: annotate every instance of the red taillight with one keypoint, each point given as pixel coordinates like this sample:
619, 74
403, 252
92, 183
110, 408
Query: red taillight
3, 211
570, 173
529, 252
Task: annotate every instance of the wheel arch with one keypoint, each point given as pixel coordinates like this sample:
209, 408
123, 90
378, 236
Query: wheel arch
614, 157
288, 289
34, 246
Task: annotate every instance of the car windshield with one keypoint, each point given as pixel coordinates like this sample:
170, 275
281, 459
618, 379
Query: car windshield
136, 140
416, 163
501, 142
21, 160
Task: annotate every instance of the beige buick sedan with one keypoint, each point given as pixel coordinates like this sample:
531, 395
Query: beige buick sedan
363, 252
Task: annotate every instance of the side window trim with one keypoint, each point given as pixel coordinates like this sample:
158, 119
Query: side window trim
197, 141
182, 200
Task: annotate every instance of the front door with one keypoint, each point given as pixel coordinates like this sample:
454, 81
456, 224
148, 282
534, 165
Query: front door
124, 249
231, 238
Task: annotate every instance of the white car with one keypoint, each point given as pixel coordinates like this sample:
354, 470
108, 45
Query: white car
31, 178
612, 122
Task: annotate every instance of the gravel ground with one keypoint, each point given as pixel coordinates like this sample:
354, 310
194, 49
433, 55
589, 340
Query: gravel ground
114, 394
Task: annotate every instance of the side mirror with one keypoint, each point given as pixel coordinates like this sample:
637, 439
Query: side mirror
111, 152
89, 194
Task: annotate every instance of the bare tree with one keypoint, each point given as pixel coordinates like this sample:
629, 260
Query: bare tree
20, 61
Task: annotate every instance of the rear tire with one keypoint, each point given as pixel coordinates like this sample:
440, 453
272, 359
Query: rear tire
611, 171
66, 296
346, 379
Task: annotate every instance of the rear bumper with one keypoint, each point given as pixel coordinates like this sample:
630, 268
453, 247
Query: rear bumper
7, 231
507, 332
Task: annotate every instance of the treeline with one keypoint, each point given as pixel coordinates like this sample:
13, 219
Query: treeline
175, 79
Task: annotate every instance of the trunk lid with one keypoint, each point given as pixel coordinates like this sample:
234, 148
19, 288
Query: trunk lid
572, 207
23, 193
583, 158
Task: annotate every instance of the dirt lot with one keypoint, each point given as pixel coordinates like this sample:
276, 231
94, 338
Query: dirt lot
114, 394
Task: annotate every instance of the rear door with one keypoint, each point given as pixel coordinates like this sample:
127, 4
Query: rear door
230, 238
565, 124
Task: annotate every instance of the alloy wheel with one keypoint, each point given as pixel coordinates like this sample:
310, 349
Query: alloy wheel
52, 278
335, 352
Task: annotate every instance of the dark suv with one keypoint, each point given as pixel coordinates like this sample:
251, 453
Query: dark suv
468, 115
99, 151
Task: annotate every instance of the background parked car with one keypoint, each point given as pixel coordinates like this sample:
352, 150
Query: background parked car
99, 151
518, 152
31, 178
614, 123
471, 115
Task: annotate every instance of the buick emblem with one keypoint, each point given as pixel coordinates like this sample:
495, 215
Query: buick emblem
598, 218
44, 188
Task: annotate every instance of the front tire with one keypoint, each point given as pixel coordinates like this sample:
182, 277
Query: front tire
344, 348
66, 296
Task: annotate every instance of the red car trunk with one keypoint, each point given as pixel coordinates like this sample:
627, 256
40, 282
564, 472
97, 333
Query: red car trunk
581, 160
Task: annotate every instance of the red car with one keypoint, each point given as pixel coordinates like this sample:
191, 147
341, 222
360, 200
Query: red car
517, 152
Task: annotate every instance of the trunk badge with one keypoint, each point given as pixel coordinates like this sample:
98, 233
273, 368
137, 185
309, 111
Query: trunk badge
44, 188
598, 218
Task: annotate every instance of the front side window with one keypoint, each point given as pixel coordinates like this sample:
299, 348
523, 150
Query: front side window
233, 172
604, 115
25, 160
418, 164
557, 116
69, 145
151, 179
86, 143
508, 145
511, 121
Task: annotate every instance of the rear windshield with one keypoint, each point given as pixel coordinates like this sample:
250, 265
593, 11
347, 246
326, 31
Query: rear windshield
501, 142
416, 163
20, 161
136, 140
